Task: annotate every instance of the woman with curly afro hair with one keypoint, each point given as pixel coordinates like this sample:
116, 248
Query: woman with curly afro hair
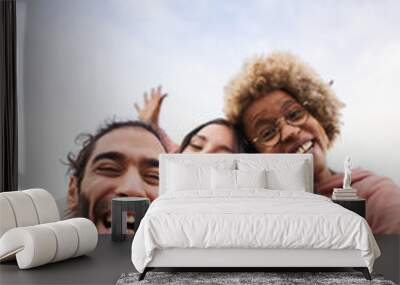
281, 105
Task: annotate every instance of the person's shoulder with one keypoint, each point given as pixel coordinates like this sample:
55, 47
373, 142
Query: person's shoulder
362, 173
366, 173
368, 178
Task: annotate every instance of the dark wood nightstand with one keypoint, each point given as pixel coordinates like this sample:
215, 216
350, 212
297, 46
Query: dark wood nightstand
357, 206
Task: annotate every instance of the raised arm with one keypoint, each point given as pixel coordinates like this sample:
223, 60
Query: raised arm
149, 113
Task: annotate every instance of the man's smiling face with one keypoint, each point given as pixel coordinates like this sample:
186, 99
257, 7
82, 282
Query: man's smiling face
124, 162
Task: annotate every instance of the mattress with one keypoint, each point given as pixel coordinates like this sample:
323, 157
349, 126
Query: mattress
250, 219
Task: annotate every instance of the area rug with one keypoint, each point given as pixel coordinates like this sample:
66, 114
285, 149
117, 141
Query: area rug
229, 278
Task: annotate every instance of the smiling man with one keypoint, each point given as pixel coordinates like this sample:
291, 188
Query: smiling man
120, 160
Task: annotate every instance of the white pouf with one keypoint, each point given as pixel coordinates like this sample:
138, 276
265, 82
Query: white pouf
31, 232
40, 244
87, 234
27, 208
32, 246
24, 211
45, 205
66, 237
7, 218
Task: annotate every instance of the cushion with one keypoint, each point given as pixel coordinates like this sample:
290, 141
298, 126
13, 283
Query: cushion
282, 174
226, 179
23, 208
7, 220
292, 179
26, 208
223, 179
87, 235
251, 178
182, 178
33, 246
192, 174
45, 205
66, 237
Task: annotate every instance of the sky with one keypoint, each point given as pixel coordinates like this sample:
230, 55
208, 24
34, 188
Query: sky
95, 58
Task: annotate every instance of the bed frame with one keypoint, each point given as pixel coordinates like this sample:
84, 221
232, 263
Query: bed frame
242, 259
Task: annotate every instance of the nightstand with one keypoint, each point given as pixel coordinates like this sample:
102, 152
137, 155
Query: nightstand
357, 206
120, 206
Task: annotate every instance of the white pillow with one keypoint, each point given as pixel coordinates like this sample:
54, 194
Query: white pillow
226, 179
292, 179
186, 174
223, 179
282, 174
181, 178
251, 178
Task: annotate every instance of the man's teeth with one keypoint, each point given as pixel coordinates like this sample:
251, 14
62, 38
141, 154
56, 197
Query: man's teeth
304, 147
130, 224
130, 219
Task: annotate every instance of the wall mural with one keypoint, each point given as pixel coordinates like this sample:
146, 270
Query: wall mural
274, 104
248, 77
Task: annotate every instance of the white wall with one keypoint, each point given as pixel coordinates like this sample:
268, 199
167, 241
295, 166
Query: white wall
83, 61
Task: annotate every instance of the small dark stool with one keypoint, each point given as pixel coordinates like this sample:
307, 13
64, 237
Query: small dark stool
119, 207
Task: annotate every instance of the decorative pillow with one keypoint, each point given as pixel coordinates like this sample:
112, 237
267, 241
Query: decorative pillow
292, 179
182, 178
282, 174
226, 179
223, 179
184, 174
251, 178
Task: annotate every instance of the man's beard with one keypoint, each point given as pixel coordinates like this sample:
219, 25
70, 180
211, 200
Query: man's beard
100, 208
101, 215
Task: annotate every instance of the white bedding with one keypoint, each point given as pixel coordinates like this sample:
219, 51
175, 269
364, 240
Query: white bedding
252, 218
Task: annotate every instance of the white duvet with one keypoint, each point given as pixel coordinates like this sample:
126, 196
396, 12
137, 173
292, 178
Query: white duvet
250, 219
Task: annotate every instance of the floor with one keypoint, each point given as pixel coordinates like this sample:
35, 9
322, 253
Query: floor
389, 262
102, 266
111, 259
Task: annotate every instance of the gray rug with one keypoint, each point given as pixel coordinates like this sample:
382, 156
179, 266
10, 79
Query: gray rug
228, 278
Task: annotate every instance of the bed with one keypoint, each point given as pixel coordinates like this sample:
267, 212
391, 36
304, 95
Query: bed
245, 211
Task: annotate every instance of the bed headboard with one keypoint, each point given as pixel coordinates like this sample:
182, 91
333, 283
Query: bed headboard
308, 160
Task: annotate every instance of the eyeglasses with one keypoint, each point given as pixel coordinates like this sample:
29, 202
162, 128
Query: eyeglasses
270, 134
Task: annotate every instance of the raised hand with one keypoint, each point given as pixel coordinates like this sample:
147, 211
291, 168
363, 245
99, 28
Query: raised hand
150, 111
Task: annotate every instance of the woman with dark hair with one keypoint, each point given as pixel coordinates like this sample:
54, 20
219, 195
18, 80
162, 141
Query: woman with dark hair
215, 136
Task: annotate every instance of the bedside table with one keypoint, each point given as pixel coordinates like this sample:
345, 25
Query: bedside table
120, 206
357, 206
